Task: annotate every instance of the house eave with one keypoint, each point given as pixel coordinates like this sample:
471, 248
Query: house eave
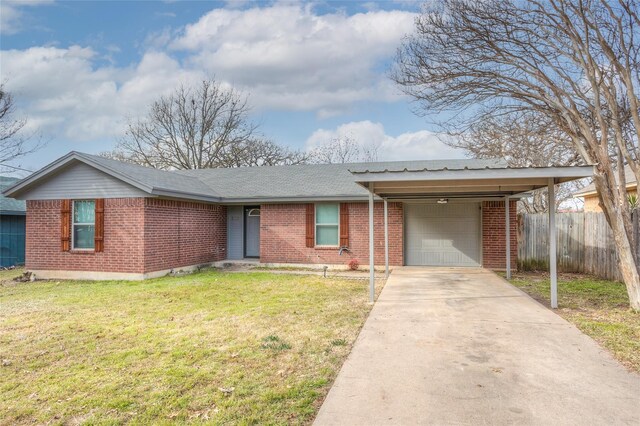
295, 199
161, 192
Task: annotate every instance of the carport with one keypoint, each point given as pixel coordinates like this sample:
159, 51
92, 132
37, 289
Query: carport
447, 185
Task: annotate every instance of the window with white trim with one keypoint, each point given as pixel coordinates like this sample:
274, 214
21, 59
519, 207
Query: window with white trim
327, 224
83, 225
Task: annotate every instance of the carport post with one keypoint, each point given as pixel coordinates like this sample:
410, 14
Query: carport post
553, 270
372, 277
386, 239
507, 233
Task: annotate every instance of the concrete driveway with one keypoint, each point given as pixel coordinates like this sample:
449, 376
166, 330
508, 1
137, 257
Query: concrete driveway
462, 346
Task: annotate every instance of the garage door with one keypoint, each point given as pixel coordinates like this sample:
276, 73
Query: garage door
442, 234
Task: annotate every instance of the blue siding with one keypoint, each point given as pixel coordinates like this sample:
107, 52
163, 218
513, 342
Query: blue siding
12, 237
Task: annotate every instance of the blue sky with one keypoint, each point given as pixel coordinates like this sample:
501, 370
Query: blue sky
312, 71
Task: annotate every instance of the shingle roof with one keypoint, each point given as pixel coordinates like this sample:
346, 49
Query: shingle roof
154, 178
309, 180
259, 184
10, 205
591, 188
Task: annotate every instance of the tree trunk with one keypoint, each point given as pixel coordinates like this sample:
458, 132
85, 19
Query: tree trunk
626, 262
622, 237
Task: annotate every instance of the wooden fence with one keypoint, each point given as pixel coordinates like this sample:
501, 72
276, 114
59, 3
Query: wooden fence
584, 243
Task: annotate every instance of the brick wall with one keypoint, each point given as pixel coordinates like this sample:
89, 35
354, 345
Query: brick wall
282, 235
146, 235
181, 233
140, 235
493, 234
123, 242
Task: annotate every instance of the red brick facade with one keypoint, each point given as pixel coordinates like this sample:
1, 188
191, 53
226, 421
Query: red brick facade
140, 235
282, 235
144, 235
493, 236
123, 242
181, 233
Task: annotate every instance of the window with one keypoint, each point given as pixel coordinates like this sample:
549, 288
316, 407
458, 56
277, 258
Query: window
327, 224
83, 225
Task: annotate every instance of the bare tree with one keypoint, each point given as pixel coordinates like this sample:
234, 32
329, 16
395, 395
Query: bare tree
252, 153
13, 143
574, 62
117, 154
261, 152
193, 128
344, 149
523, 140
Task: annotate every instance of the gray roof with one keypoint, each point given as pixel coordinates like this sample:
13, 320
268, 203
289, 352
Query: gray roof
324, 181
591, 188
263, 184
10, 205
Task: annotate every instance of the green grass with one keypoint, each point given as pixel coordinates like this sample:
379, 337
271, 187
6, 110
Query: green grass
599, 308
10, 274
213, 347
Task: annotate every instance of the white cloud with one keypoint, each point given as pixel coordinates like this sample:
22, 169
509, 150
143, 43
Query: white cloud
65, 96
285, 57
420, 145
236, 4
288, 57
12, 14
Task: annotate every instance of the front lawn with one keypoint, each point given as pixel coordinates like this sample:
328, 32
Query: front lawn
215, 347
8, 274
599, 308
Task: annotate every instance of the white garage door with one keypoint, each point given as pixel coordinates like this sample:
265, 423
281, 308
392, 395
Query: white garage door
442, 234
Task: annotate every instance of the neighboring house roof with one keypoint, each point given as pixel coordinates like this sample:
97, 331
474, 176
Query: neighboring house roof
591, 188
10, 206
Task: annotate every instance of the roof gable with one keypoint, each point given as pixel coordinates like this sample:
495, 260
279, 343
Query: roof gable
78, 180
147, 180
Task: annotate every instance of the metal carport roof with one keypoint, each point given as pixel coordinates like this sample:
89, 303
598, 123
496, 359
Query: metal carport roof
464, 183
